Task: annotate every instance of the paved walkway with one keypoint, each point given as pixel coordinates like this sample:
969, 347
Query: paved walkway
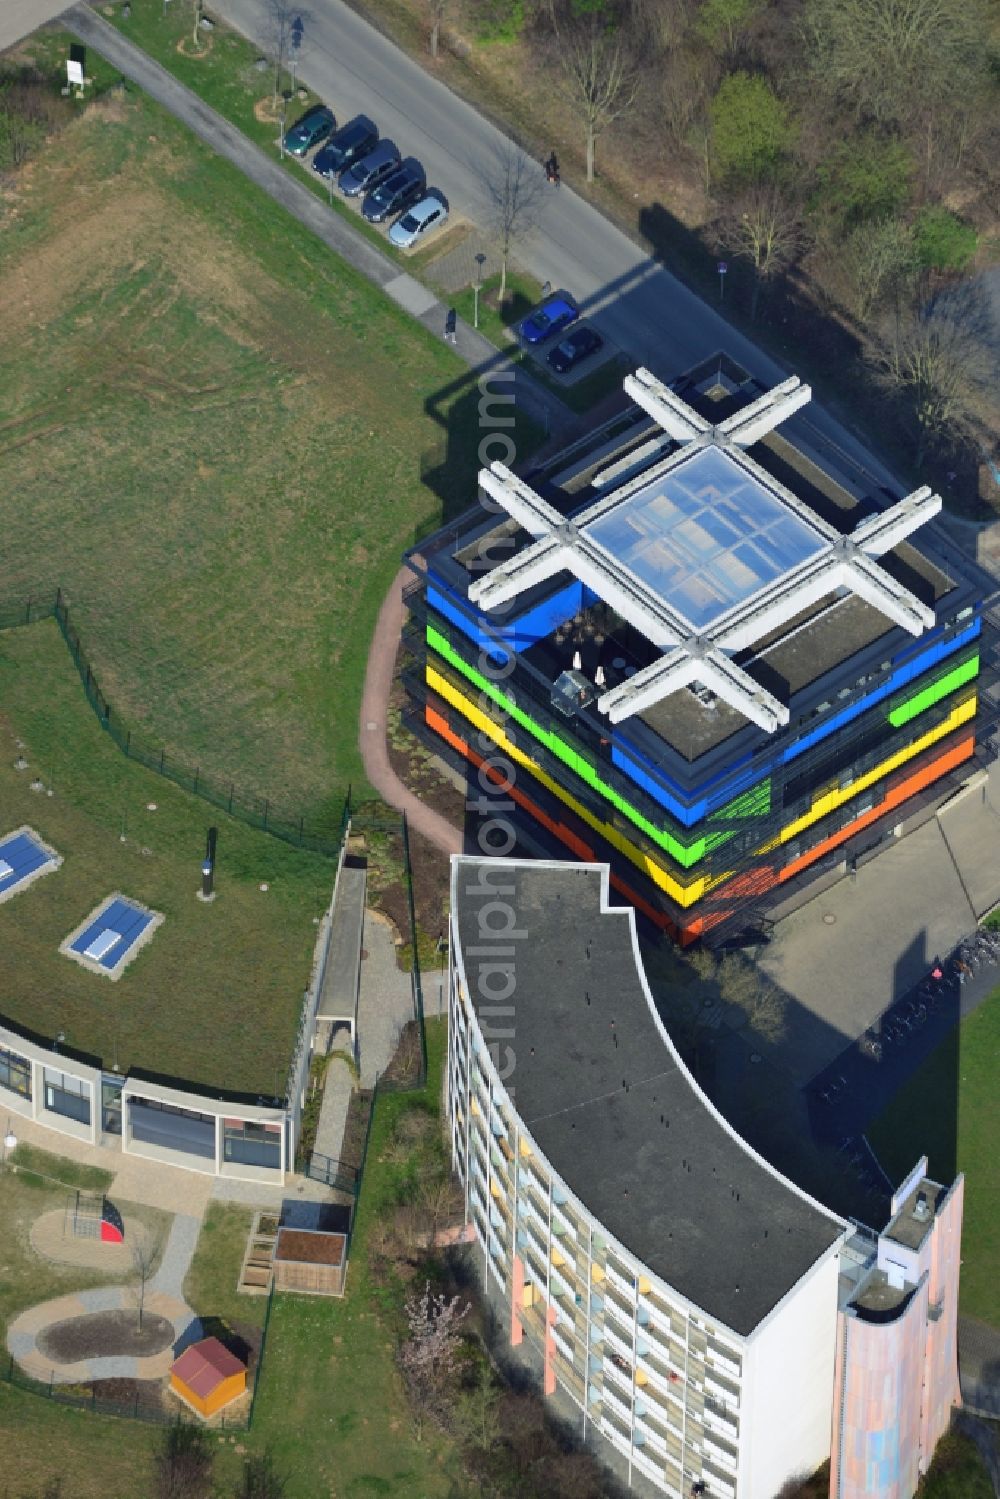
163, 1298
296, 198
386, 1002
385, 1005
379, 675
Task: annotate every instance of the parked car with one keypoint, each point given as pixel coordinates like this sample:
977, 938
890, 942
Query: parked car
551, 318
398, 191
368, 171
430, 213
311, 128
356, 138
577, 346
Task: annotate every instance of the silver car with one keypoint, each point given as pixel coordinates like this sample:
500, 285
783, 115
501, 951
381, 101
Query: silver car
430, 213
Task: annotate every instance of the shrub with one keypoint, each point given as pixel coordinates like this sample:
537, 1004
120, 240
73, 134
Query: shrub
943, 242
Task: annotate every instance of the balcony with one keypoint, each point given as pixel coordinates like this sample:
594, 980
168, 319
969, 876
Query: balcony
617, 1344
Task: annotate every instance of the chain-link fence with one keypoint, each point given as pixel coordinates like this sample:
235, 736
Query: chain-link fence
321, 834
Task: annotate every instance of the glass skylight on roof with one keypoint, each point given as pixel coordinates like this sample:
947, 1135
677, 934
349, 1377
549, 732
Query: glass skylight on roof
706, 536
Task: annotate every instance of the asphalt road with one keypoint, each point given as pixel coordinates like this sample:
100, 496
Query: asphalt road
634, 300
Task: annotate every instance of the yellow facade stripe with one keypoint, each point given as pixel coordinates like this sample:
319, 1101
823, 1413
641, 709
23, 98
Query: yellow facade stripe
837, 795
683, 895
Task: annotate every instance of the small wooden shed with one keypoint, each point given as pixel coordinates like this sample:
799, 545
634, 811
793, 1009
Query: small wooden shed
207, 1376
306, 1259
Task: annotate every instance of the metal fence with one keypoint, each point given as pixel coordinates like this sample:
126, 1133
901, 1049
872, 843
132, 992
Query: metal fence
141, 1407
323, 835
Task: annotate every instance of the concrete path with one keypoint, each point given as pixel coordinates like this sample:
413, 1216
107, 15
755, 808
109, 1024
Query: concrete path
163, 1298
384, 1007
282, 185
386, 1002
338, 998
379, 675
19, 18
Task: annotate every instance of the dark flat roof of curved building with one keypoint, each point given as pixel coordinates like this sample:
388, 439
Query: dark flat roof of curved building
608, 1102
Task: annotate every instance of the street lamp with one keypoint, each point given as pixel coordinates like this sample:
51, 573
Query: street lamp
480, 262
281, 125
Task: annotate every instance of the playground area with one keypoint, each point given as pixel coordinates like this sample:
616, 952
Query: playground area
94, 1304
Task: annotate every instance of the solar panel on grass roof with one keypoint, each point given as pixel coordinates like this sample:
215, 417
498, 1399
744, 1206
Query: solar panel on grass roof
111, 933
102, 945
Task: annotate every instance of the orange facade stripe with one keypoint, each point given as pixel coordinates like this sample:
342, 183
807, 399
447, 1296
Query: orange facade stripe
566, 835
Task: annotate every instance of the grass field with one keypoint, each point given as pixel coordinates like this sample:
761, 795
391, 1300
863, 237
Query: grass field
215, 995
950, 1110
220, 440
331, 1404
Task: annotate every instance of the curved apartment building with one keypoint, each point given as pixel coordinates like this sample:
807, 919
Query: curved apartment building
697, 1308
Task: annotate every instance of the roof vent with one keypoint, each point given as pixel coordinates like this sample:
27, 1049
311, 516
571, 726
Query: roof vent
921, 1208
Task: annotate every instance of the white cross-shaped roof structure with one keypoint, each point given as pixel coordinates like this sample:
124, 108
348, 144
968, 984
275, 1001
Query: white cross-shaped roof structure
823, 561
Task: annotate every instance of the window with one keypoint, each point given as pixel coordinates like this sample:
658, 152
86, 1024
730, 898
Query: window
15, 1073
251, 1143
67, 1095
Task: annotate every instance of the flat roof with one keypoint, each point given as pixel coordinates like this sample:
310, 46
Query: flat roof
909, 1229
606, 1098
707, 534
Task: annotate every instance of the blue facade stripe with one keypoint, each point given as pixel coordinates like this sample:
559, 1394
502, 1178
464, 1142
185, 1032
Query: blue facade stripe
533, 626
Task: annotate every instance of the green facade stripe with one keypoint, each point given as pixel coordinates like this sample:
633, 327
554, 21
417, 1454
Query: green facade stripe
685, 854
934, 692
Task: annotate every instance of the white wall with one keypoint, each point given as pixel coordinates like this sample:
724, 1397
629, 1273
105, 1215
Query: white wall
786, 1416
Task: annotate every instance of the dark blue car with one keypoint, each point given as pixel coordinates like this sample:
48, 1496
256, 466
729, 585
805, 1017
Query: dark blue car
551, 318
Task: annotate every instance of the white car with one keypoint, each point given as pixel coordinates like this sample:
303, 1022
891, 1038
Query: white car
430, 213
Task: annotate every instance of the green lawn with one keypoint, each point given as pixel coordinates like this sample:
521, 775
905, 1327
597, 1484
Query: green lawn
221, 440
331, 1402
215, 995
950, 1110
211, 1282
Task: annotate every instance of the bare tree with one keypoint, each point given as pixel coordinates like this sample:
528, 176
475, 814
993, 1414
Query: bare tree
476, 1420
144, 1254
182, 1464
512, 185
743, 985
879, 257
894, 58
601, 78
438, 10
764, 226
276, 37
429, 1354
936, 354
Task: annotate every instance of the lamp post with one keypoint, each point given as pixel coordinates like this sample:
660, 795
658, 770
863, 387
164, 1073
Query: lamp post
722, 268
9, 1142
281, 126
480, 262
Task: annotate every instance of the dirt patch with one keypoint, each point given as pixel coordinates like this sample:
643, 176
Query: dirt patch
188, 47
52, 1237
265, 111
105, 1335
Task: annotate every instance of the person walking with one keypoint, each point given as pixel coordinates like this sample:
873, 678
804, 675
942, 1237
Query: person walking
451, 326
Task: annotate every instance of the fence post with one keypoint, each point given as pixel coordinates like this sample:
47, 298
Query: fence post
128, 742
230, 796
162, 755
27, 612
265, 811
196, 775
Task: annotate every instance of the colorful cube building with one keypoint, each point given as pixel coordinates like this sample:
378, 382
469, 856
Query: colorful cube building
714, 653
